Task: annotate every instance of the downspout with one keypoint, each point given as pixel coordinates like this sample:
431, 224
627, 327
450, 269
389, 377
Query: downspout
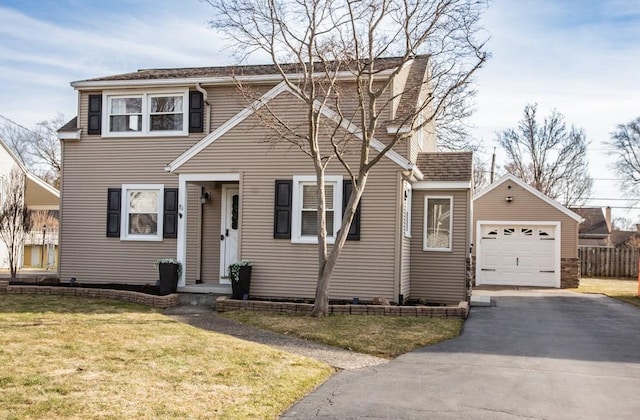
207, 113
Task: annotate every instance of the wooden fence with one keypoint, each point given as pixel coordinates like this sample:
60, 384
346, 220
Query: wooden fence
609, 262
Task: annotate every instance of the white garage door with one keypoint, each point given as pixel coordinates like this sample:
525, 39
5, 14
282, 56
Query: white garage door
518, 255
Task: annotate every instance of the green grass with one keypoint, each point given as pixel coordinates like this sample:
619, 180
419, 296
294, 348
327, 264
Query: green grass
621, 289
69, 357
382, 336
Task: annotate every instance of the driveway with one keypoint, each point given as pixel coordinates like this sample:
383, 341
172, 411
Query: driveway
535, 355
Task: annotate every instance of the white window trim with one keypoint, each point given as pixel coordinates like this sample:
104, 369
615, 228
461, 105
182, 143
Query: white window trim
426, 210
407, 208
124, 216
296, 209
146, 98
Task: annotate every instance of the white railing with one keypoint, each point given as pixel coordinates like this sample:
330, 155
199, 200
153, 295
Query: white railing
40, 237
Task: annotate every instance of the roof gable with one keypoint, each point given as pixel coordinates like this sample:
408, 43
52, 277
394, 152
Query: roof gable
531, 190
255, 106
594, 223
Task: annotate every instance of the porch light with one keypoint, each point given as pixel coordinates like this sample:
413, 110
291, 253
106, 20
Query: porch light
509, 198
204, 198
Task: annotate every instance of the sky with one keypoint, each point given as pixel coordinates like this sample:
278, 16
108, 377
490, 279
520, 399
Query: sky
580, 57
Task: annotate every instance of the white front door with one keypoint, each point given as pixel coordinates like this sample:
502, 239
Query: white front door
230, 227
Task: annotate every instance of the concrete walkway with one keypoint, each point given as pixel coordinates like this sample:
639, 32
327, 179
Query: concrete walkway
535, 355
206, 318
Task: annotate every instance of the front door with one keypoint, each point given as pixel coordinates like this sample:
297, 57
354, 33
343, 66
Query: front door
230, 226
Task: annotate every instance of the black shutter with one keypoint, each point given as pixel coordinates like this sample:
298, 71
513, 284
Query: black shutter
354, 230
170, 221
113, 212
282, 209
196, 112
95, 114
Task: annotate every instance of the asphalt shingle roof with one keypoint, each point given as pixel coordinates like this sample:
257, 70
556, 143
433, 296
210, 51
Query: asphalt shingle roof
446, 166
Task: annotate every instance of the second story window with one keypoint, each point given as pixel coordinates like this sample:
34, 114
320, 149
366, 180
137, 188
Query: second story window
125, 114
145, 114
166, 113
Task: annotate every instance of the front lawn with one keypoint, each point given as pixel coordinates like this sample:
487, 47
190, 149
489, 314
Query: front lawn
69, 357
622, 289
382, 336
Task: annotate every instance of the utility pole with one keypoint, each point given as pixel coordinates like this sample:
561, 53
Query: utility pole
493, 165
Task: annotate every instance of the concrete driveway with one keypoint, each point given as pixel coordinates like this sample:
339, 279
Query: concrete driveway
535, 354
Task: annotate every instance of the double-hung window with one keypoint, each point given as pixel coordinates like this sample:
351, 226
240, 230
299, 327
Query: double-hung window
437, 223
146, 114
305, 208
142, 207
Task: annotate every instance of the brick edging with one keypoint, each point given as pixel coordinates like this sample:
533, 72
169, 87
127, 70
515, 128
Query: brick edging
224, 304
121, 295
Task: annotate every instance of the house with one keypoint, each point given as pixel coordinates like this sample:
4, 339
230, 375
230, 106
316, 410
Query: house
177, 163
596, 229
523, 238
42, 201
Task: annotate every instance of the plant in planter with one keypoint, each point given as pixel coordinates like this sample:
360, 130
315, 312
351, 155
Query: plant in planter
240, 274
170, 271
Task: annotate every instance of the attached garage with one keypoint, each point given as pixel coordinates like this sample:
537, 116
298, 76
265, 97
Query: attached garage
523, 238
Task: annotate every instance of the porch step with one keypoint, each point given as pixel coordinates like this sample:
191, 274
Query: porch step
203, 294
480, 300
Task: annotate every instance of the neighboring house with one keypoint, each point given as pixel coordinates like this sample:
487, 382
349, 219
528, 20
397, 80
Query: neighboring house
523, 238
41, 246
203, 182
596, 229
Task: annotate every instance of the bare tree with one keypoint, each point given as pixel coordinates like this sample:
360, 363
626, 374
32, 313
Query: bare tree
549, 157
37, 149
324, 39
625, 147
480, 178
18, 138
14, 218
46, 149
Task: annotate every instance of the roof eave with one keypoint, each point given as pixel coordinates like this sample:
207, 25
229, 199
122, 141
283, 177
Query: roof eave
216, 80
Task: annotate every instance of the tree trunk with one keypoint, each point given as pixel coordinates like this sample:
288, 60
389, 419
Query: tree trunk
321, 303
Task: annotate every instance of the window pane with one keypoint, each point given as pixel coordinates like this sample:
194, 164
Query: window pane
143, 201
125, 123
310, 198
126, 106
438, 223
167, 104
143, 224
328, 192
310, 223
166, 122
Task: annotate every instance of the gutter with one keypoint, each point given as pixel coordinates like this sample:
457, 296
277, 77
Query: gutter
211, 80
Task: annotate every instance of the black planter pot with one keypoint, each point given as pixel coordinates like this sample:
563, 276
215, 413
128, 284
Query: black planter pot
168, 282
240, 285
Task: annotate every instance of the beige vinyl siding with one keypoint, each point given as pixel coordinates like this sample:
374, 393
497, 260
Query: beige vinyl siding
36, 195
193, 226
525, 207
440, 276
366, 268
92, 165
405, 280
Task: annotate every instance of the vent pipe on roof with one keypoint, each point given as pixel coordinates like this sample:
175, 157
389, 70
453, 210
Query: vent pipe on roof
607, 216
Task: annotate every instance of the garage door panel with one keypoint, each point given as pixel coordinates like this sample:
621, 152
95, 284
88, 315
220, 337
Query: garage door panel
518, 254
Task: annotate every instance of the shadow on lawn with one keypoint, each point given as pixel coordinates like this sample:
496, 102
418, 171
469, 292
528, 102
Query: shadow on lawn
28, 303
